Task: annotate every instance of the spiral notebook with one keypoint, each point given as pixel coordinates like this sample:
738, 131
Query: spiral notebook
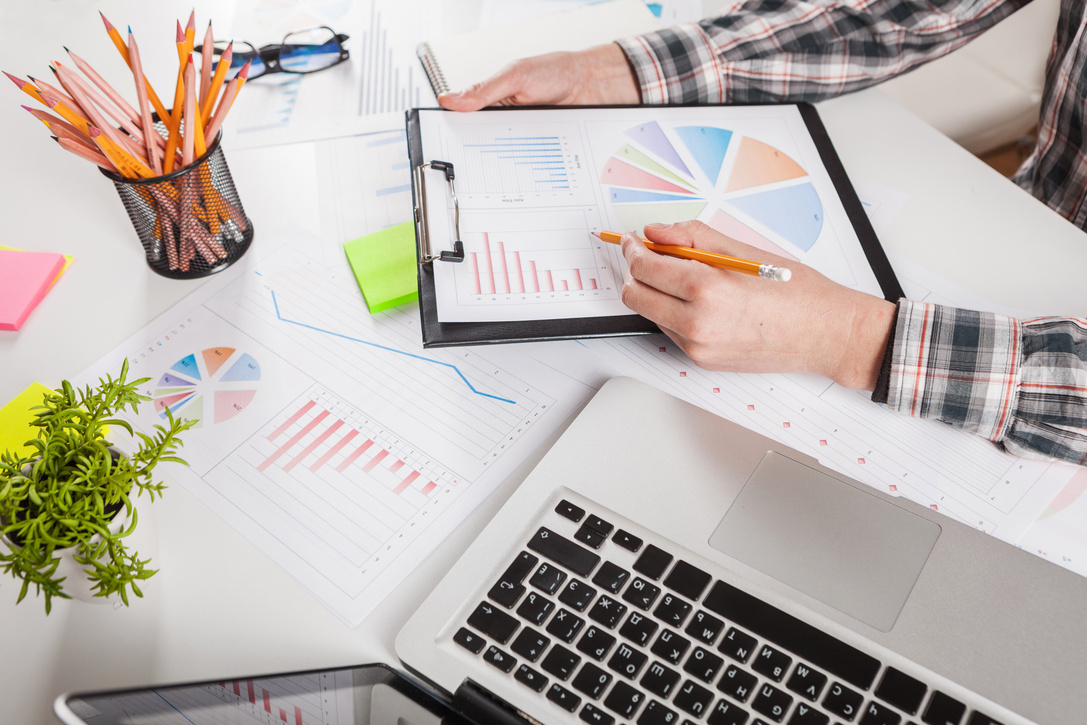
455, 62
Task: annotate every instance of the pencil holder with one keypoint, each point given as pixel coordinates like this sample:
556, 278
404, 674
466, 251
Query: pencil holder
190, 222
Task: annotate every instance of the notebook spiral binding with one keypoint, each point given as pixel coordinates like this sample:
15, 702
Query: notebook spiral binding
432, 69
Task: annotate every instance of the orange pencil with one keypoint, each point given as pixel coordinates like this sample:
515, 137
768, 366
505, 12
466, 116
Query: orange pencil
149, 131
95, 157
196, 123
206, 61
115, 36
221, 68
190, 30
175, 114
82, 94
60, 95
88, 95
721, 261
63, 129
229, 95
129, 166
53, 123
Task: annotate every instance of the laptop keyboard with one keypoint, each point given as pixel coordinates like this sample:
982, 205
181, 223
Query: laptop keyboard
614, 629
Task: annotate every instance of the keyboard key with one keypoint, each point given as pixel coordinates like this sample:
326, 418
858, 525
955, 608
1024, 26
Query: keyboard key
502, 660
670, 646
530, 644
653, 562
471, 642
611, 577
598, 524
737, 684
641, 593
687, 580
727, 713
821, 649
565, 625
535, 608
506, 593
693, 698
737, 645
493, 622
876, 714
560, 662
596, 643
703, 664
530, 678
577, 594
564, 552
660, 680
624, 700
638, 629
569, 511
944, 710
805, 714
807, 682
672, 611
772, 662
977, 718
548, 578
657, 714
627, 540
627, 661
607, 611
772, 702
591, 680
590, 537
520, 568
705, 627
563, 698
842, 701
592, 714
899, 689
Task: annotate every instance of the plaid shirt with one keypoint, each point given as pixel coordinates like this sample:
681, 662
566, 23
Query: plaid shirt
1021, 383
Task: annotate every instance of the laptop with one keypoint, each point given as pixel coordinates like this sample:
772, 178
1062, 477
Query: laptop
663, 566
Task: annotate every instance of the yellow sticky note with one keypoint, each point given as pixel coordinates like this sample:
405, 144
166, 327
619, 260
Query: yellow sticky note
384, 265
16, 417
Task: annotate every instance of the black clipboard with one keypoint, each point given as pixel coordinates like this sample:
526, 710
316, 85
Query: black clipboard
449, 334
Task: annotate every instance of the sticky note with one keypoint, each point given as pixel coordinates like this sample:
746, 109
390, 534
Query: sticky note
16, 417
68, 259
25, 277
384, 266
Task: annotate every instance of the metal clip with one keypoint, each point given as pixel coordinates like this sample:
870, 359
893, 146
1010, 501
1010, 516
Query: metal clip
457, 254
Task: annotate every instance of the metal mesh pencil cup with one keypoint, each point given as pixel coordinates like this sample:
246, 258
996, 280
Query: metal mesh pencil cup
190, 222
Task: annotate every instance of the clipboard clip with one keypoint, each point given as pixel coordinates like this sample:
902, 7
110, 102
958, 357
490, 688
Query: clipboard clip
425, 255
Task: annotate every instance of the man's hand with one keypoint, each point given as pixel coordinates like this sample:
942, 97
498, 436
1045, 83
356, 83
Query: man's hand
741, 323
593, 77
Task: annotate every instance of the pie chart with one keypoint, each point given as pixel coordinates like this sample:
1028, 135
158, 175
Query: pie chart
740, 186
211, 386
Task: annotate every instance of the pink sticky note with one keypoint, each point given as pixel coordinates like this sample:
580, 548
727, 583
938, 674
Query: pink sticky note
25, 277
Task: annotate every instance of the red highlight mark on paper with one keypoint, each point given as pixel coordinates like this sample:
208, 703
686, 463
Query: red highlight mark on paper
751, 407
893, 487
717, 390
662, 349
933, 507
822, 443
860, 460
683, 375
785, 424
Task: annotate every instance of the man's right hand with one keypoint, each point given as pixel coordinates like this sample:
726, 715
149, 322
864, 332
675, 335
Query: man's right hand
594, 77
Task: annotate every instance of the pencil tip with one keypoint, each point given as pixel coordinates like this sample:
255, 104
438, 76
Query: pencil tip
180, 33
93, 131
109, 25
192, 19
244, 72
17, 81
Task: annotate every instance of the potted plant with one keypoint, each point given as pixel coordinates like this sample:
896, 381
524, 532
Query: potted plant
72, 496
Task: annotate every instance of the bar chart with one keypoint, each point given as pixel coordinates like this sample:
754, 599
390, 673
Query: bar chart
509, 164
524, 263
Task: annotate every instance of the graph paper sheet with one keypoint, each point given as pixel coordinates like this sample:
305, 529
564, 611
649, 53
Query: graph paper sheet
533, 185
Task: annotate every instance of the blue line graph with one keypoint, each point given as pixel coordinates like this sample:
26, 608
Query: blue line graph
454, 368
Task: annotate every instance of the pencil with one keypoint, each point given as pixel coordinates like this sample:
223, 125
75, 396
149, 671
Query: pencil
188, 144
105, 87
115, 36
53, 124
207, 56
721, 261
87, 95
83, 94
95, 157
227, 100
149, 131
129, 166
175, 114
221, 68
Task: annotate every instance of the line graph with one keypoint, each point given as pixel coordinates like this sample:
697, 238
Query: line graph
393, 350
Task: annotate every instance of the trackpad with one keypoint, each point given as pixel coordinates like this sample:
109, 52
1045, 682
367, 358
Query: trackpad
836, 543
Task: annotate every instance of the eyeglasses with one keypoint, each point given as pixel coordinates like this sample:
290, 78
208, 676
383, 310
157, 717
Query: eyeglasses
304, 51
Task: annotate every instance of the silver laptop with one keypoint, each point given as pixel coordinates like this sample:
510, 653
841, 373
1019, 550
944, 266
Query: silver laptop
664, 566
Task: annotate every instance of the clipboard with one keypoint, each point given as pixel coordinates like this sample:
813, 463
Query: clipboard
427, 170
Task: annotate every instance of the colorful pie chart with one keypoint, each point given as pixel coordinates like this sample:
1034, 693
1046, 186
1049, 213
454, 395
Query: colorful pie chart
738, 185
211, 386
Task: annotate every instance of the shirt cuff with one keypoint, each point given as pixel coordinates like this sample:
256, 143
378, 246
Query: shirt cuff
676, 65
958, 366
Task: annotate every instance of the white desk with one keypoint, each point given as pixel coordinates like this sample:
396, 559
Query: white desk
219, 607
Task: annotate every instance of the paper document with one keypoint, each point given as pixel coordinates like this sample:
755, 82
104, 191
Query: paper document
533, 185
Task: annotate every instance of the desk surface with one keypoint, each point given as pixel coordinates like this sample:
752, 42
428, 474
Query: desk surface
219, 607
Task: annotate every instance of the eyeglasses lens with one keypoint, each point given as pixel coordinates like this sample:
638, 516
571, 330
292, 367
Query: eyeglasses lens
309, 50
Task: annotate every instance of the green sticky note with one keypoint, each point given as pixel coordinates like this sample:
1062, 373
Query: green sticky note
384, 264
16, 417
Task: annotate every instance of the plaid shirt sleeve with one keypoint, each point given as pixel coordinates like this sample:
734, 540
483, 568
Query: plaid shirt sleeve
1020, 383
766, 51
